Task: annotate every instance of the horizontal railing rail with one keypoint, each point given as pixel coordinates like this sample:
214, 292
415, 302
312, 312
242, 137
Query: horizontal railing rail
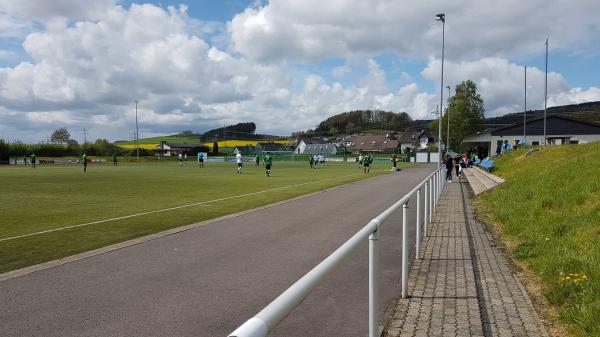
278, 309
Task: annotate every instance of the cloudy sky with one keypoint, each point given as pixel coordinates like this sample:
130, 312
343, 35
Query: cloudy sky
284, 64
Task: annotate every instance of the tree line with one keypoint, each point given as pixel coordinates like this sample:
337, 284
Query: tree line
358, 120
18, 149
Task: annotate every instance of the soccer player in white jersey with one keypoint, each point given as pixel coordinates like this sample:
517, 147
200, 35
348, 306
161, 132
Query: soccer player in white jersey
238, 160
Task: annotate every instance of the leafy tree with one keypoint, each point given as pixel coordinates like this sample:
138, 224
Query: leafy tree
361, 120
238, 131
4, 150
60, 136
466, 110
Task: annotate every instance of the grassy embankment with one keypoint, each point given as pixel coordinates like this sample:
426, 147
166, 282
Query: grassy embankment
548, 213
54, 196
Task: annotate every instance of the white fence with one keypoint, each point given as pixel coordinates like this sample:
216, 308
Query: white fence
276, 311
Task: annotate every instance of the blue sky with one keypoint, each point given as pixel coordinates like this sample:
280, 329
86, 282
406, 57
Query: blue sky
284, 64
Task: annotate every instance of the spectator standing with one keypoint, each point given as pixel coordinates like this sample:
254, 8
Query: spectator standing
449, 166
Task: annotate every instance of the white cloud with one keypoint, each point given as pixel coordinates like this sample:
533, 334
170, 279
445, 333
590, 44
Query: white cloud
295, 30
36, 10
88, 65
574, 96
501, 83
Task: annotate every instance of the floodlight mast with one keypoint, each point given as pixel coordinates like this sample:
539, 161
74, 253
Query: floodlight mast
441, 17
137, 133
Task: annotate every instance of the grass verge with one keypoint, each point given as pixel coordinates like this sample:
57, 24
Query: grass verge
548, 213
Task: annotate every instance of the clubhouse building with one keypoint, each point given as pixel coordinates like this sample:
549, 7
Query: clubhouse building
559, 130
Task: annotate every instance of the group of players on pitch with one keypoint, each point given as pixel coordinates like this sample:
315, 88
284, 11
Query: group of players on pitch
315, 161
267, 160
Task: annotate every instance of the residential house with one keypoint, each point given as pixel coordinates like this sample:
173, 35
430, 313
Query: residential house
326, 149
374, 143
170, 149
302, 143
272, 147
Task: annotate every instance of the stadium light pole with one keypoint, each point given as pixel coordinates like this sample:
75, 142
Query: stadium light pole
448, 113
525, 111
441, 17
137, 133
546, 94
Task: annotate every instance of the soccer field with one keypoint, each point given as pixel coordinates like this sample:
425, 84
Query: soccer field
56, 211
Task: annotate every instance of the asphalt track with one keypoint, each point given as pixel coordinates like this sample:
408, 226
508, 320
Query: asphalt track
208, 280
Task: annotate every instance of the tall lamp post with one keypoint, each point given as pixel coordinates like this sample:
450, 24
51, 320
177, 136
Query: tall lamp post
546, 94
137, 133
448, 113
525, 111
441, 17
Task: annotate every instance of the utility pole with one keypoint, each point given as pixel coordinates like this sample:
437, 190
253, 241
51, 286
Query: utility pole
525, 111
546, 94
137, 133
84, 132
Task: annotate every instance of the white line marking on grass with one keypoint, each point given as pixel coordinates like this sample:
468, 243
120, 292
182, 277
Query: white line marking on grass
172, 208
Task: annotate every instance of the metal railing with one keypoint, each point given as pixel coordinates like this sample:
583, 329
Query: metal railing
273, 313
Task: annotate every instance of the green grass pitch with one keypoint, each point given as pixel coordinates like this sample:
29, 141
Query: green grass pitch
53, 196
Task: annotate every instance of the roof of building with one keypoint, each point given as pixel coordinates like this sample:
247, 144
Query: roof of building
309, 141
272, 147
555, 125
372, 143
179, 146
406, 137
320, 148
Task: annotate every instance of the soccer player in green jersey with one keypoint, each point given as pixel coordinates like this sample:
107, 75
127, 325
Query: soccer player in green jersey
84, 159
367, 160
33, 160
268, 162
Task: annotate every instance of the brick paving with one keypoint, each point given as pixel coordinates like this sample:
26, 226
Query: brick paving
462, 285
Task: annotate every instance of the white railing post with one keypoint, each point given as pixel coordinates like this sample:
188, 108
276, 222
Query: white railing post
441, 186
436, 183
430, 199
426, 210
418, 234
404, 252
373, 285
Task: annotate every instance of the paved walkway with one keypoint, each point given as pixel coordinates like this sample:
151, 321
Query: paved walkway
462, 286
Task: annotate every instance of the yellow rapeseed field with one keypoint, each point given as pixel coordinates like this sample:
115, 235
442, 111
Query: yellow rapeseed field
230, 143
148, 146
241, 142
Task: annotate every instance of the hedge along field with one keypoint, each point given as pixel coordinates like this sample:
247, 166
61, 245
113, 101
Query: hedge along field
549, 212
55, 196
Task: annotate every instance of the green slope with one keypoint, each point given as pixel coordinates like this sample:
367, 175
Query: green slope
549, 212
